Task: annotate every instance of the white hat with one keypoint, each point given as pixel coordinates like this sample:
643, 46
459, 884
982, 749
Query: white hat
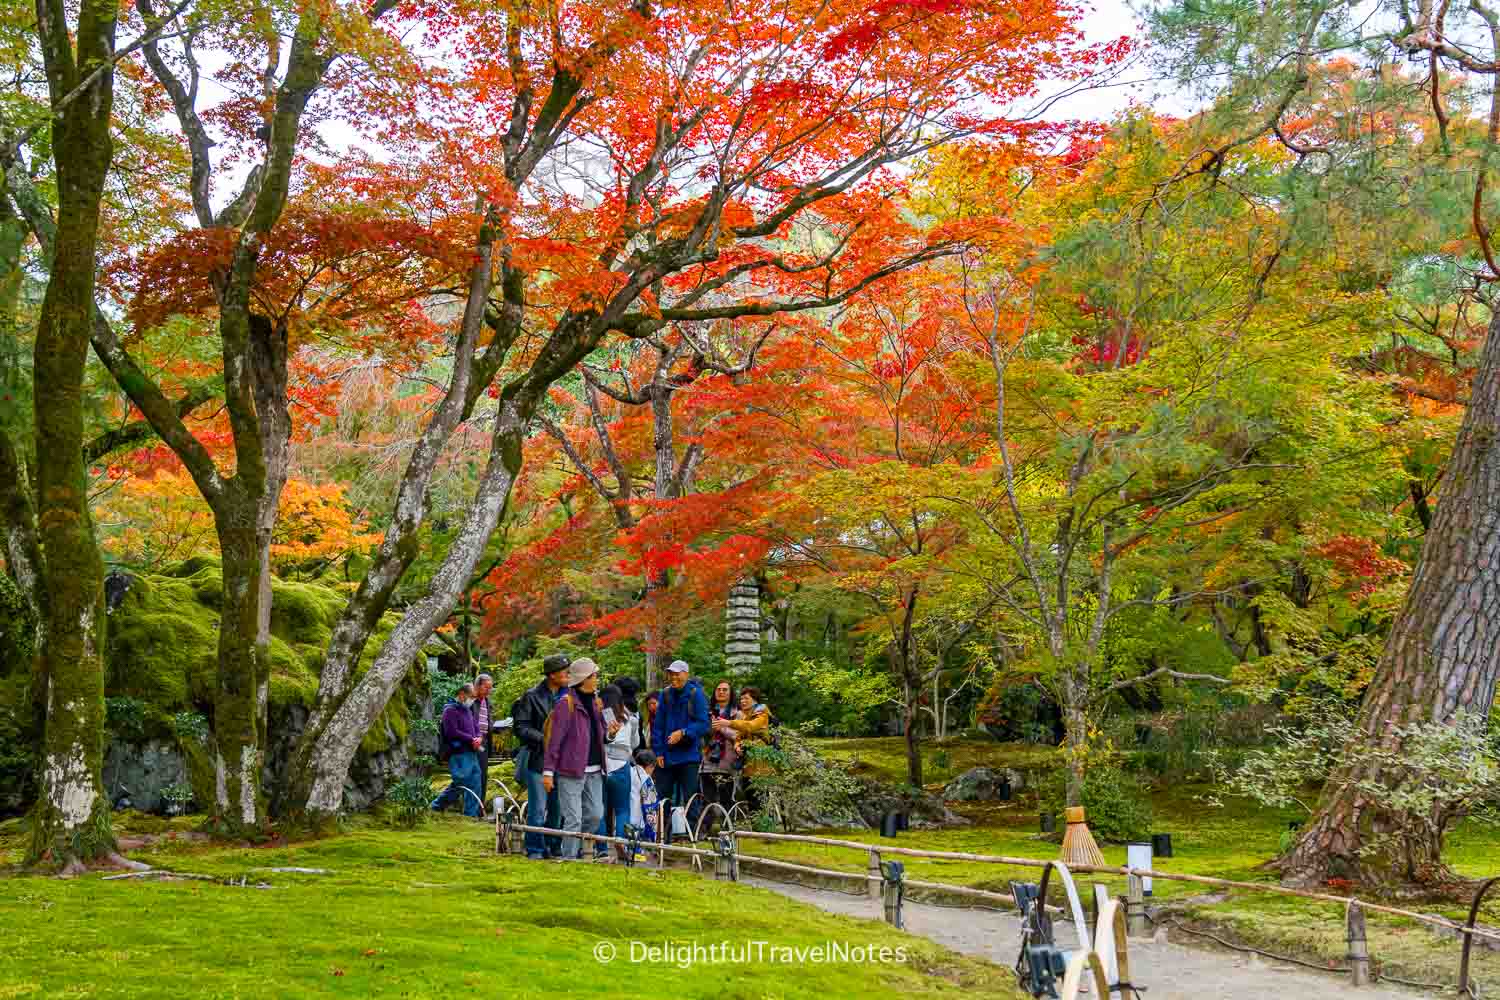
581, 670
677, 667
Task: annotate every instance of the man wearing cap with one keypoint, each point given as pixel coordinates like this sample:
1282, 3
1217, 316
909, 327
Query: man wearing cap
677, 734
574, 762
529, 720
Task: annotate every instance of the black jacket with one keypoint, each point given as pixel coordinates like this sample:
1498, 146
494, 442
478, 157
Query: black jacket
528, 716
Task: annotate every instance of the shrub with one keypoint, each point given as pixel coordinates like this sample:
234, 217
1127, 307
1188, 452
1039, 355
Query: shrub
823, 709
1450, 771
942, 763
190, 726
1116, 811
125, 718
177, 798
797, 786
411, 801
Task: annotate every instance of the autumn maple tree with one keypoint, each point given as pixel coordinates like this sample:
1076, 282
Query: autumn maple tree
747, 151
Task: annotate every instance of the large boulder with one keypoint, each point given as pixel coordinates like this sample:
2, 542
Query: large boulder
924, 811
162, 655
982, 784
140, 772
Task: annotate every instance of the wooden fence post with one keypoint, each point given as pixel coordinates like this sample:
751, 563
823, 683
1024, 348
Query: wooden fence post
1135, 906
726, 861
891, 891
876, 874
1359, 946
663, 833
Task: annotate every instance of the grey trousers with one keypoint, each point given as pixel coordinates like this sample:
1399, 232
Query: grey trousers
582, 803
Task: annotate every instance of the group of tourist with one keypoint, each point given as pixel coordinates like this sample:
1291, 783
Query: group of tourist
608, 760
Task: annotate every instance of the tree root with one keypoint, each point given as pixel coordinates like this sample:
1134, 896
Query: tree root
120, 861
72, 869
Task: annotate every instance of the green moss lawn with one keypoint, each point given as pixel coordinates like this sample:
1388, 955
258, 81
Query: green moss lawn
423, 913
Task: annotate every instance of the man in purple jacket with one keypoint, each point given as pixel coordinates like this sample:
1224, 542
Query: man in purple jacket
461, 742
574, 762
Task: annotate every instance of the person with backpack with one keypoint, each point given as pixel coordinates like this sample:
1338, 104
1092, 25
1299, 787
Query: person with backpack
458, 744
574, 761
622, 727
529, 721
677, 734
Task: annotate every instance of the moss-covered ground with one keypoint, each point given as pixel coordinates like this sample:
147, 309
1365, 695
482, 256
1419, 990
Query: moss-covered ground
1230, 841
425, 913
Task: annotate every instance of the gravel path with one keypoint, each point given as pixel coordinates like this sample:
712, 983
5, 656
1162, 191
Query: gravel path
1168, 971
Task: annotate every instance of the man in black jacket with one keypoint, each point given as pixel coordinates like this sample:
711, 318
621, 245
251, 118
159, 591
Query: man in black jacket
528, 719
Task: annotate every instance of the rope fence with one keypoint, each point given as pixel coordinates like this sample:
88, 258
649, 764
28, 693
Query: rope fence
886, 881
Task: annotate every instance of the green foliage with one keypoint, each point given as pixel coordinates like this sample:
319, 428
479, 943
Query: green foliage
942, 763
1117, 806
411, 801
178, 798
190, 726
442, 687
18, 738
795, 701
795, 782
125, 718
1019, 711
1449, 771
163, 648
18, 742
850, 694
17, 630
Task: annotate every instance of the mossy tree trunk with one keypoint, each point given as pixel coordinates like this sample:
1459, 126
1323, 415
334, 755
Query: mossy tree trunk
254, 353
1439, 665
71, 822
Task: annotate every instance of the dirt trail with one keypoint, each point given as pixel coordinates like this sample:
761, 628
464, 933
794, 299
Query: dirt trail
1168, 971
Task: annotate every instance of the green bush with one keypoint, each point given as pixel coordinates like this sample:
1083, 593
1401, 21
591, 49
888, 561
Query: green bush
177, 798
190, 726
125, 718
411, 801
785, 688
795, 784
942, 763
1117, 812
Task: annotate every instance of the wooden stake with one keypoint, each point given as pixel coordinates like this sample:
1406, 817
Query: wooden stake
1135, 906
1359, 946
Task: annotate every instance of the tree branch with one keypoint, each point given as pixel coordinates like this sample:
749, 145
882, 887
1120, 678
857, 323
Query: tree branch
1159, 672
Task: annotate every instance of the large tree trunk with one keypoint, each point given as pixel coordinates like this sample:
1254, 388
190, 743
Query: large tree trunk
243, 666
1440, 662
913, 743
912, 685
71, 820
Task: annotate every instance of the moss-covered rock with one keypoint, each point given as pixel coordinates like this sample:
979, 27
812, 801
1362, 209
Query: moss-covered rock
163, 651
164, 635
